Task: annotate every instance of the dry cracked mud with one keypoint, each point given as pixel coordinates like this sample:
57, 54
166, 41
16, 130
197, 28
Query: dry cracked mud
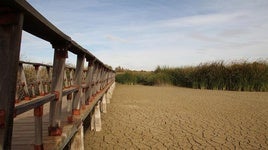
145, 117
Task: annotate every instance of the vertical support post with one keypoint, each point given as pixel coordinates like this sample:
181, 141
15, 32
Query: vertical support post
17, 93
84, 76
10, 36
89, 81
103, 104
39, 80
92, 121
49, 79
78, 80
60, 55
83, 98
69, 108
78, 141
33, 90
38, 141
104, 77
23, 82
97, 116
99, 79
92, 81
65, 79
95, 79
71, 77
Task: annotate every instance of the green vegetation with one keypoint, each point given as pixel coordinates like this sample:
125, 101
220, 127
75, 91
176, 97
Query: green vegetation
237, 76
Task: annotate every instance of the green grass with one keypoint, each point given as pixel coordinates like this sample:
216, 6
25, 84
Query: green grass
236, 76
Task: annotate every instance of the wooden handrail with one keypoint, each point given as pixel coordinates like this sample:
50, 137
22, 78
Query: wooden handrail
39, 101
19, 15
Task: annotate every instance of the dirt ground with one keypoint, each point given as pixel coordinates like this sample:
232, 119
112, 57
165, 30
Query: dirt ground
144, 117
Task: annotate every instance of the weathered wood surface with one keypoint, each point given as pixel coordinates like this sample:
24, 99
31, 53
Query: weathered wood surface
10, 37
18, 15
23, 129
60, 55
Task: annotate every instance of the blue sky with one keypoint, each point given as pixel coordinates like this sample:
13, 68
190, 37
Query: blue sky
141, 34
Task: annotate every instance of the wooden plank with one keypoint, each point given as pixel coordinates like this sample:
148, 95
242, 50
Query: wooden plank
78, 83
37, 24
36, 102
26, 105
60, 55
89, 80
95, 78
23, 137
33, 63
10, 37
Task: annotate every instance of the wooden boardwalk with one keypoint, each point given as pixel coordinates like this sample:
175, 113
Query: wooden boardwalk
24, 128
68, 98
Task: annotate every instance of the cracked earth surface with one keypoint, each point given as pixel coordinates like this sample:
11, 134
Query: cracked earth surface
144, 117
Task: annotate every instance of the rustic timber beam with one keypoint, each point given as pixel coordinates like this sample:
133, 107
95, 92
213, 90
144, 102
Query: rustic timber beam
35, 23
60, 55
21, 108
78, 83
11, 22
34, 63
89, 80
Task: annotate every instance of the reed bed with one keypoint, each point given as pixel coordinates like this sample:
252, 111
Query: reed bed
234, 76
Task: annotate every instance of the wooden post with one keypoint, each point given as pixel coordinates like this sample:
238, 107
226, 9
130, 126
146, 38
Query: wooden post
11, 24
60, 55
100, 78
33, 90
84, 76
104, 79
78, 139
89, 81
71, 76
23, 82
65, 79
93, 80
39, 80
83, 98
78, 80
97, 116
110, 92
68, 80
103, 104
69, 108
49, 79
38, 140
96, 79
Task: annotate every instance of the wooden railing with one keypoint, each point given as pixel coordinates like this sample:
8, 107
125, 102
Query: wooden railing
78, 84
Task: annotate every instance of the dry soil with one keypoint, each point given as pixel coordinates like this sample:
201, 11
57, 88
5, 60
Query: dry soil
145, 117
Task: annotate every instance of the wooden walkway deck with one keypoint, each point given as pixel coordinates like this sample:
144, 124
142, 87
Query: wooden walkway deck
24, 129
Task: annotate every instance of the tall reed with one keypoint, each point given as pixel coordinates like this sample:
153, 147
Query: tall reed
235, 76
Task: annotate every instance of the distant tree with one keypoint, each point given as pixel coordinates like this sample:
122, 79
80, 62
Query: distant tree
120, 69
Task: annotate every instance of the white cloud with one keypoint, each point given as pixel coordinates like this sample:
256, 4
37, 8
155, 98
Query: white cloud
201, 20
145, 36
115, 38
